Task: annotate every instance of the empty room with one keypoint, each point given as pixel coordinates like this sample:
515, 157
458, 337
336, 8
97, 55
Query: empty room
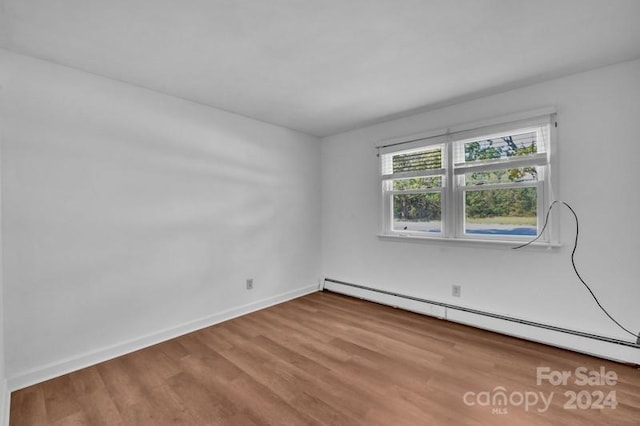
319, 212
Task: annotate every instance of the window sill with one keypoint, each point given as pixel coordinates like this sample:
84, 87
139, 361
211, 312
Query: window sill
470, 242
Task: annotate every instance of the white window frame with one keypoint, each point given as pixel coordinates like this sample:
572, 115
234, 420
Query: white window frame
388, 179
453, 190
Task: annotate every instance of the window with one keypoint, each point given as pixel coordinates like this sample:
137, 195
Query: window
492, 182
413, 181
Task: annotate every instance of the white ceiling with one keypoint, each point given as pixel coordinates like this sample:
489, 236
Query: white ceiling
325, 66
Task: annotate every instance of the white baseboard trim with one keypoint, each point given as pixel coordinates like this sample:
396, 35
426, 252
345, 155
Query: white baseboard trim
65, 366
5, 403
585, 345
559, 339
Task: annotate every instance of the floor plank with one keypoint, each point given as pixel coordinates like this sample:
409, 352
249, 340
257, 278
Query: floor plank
332, 360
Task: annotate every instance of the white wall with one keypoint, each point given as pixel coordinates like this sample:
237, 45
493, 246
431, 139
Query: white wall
128, 215
599, 147
4, 391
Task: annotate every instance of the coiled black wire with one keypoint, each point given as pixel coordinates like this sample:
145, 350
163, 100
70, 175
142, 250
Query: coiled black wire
573, 262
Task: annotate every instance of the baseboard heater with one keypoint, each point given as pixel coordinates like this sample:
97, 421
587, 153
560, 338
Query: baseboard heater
333, 285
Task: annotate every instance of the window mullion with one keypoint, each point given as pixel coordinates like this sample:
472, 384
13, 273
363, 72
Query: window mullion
450, 223
540, 206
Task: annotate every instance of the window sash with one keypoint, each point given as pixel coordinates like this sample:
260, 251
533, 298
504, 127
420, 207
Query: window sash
510, 185
540, 212
414, 174
390, 211
386, 162
501, 163
413, 191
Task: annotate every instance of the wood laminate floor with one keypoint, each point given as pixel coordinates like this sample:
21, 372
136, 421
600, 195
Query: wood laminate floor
331, 359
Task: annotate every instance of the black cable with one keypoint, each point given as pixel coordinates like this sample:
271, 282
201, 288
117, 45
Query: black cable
573, 262
546, 221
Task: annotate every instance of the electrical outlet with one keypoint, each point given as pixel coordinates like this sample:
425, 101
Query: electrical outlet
249, 283
638, 341
455, 290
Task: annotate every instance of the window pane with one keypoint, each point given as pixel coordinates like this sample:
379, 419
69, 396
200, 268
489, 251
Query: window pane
522, 174
502, 147
417, 212
426, 159
417, 183
501, 212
